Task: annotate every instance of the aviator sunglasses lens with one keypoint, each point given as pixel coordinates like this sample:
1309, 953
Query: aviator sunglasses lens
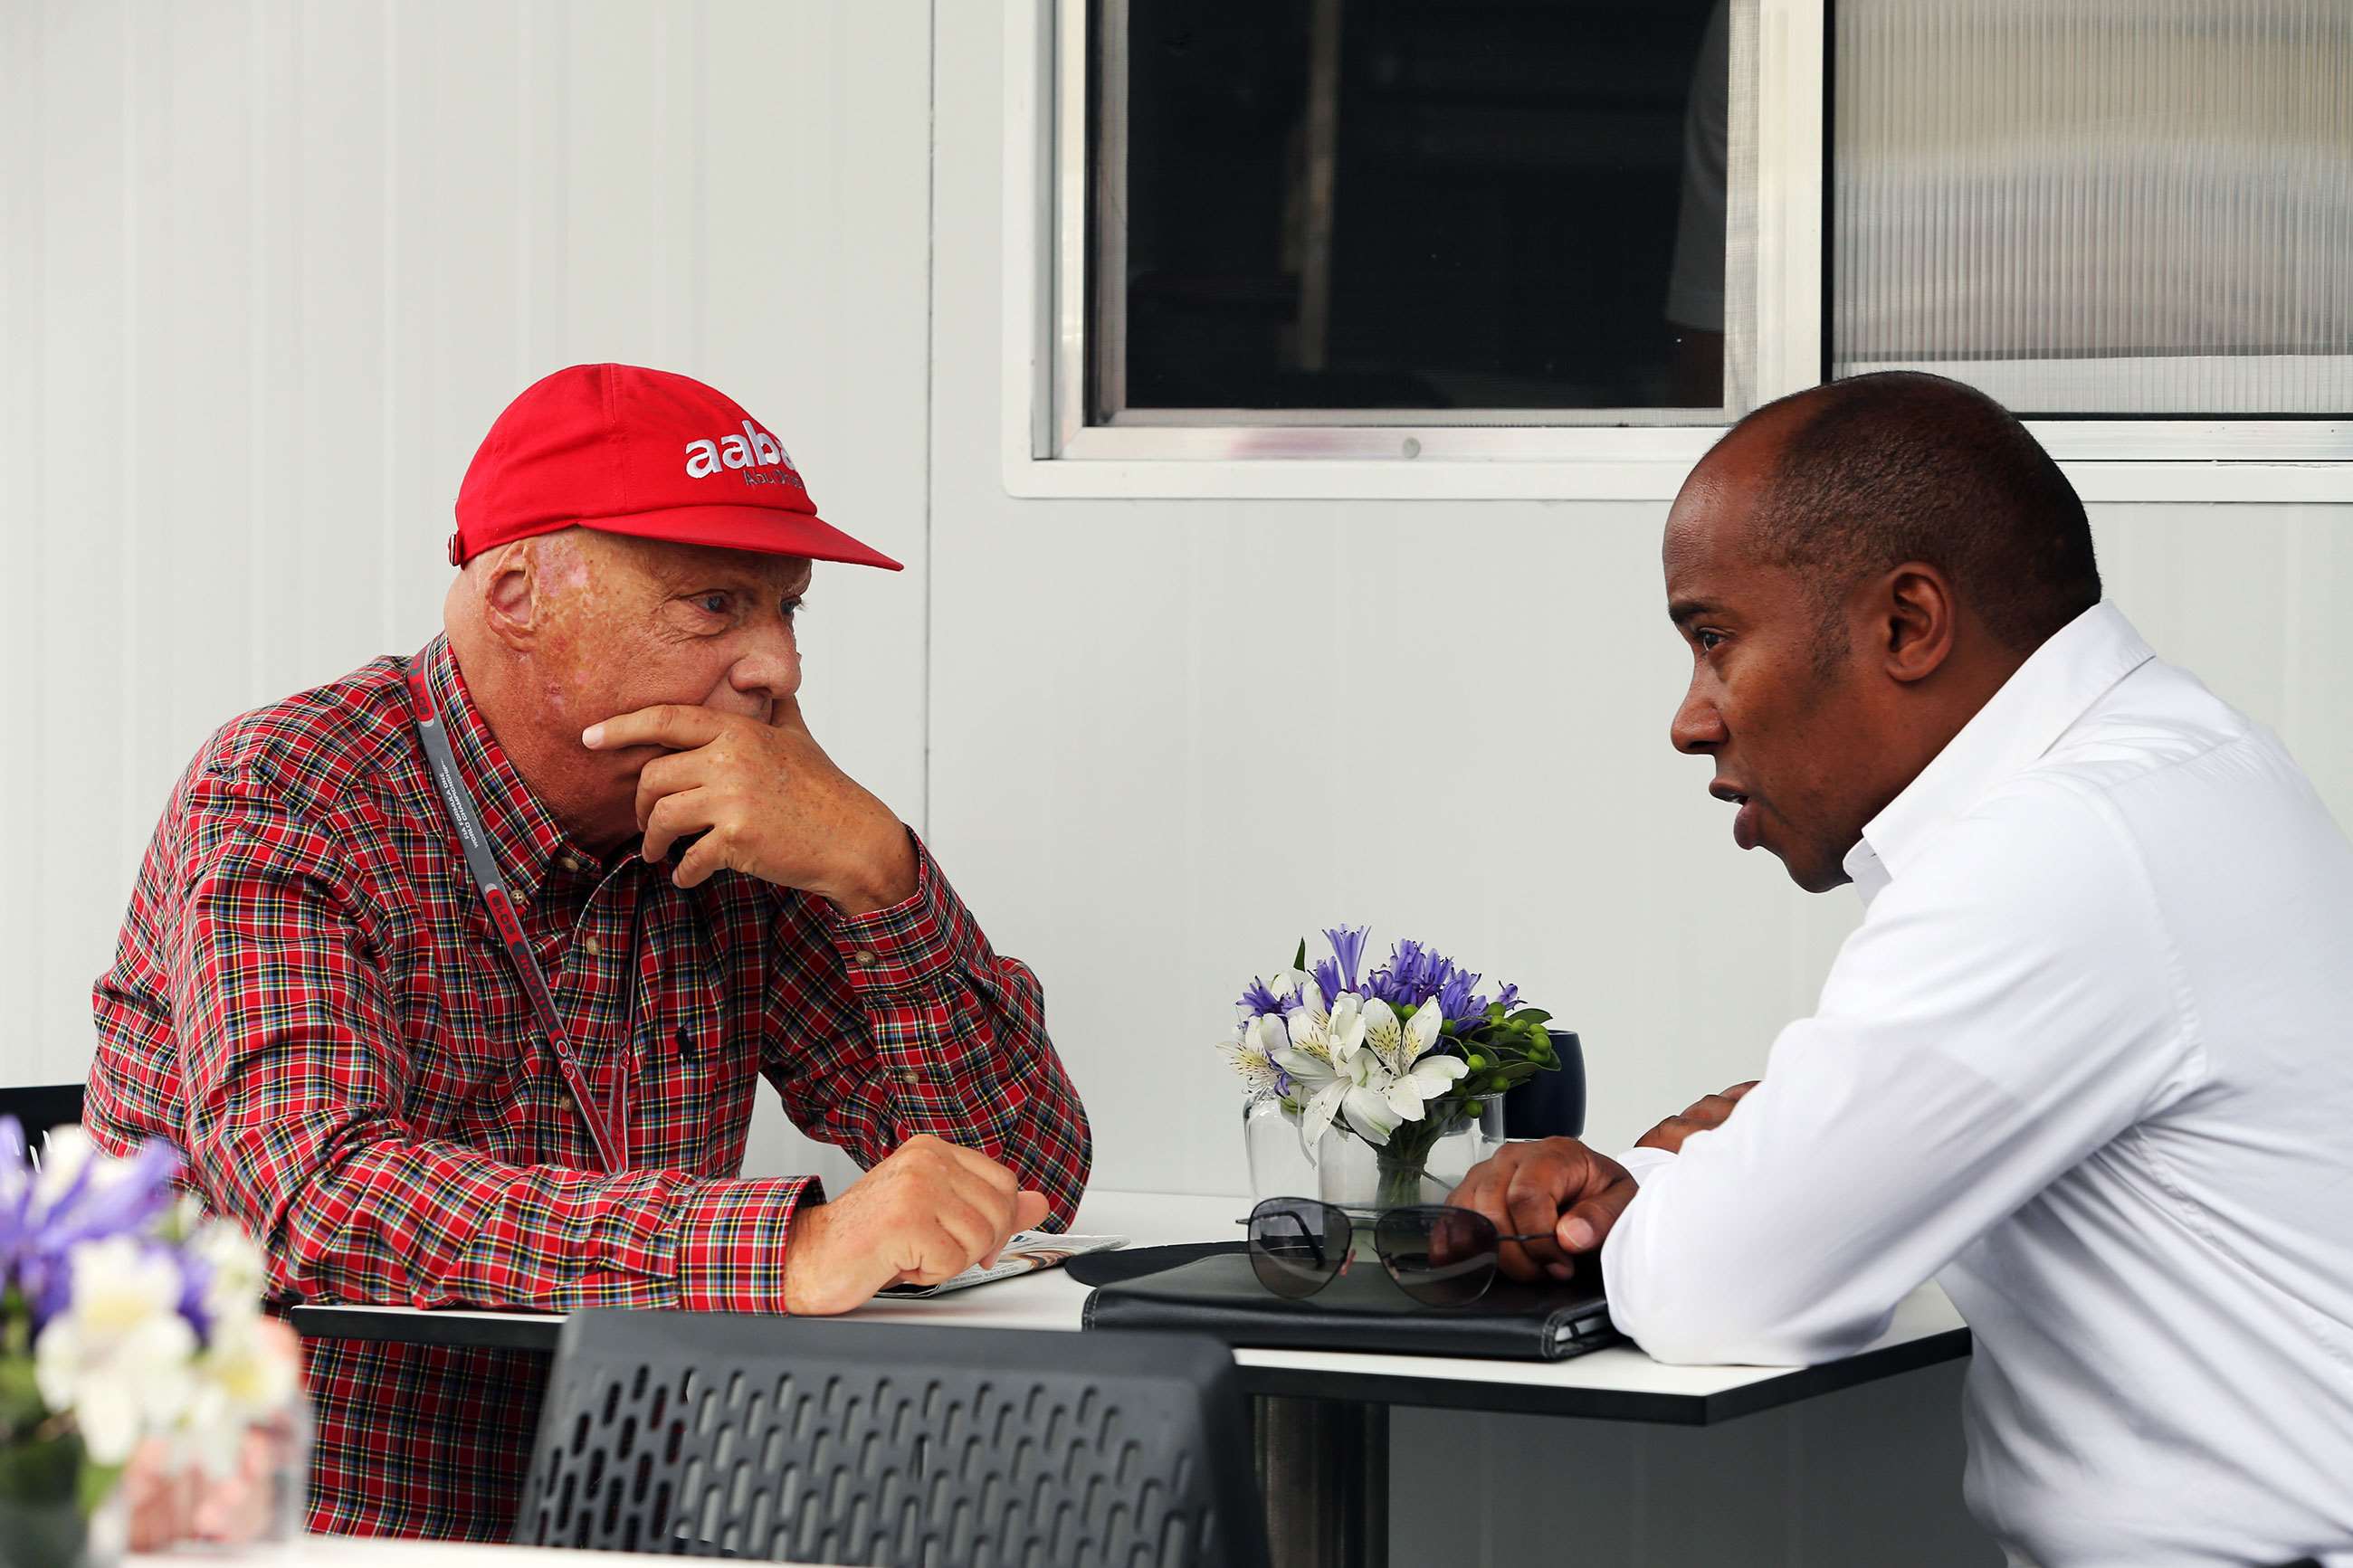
1439, 1256
1297, 1244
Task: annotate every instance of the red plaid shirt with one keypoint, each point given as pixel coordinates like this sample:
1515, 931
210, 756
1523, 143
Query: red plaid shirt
310, 999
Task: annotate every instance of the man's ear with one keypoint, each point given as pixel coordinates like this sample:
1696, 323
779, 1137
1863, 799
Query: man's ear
508, 581
1915, 617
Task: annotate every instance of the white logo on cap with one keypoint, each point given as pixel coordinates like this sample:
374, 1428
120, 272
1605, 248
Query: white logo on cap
755, 448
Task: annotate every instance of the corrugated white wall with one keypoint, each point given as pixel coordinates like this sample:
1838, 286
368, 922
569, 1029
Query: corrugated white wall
270, 269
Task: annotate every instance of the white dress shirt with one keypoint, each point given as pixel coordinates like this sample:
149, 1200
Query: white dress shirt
2088, 1062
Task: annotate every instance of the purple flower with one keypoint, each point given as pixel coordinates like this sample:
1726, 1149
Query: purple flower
1258, 1001
1349, 948
38, 1230
1417, 975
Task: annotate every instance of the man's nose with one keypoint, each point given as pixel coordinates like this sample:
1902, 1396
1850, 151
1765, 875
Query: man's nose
770, 667
1698, 728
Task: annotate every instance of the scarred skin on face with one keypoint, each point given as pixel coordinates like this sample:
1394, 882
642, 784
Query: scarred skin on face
560, 631
1810, 741
595, 654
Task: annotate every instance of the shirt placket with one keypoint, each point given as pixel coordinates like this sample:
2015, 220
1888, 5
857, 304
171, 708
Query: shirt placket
593, 991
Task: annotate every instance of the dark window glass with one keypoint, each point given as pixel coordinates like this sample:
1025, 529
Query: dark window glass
1409, 203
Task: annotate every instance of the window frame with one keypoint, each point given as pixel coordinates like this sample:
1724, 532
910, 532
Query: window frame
1049, 449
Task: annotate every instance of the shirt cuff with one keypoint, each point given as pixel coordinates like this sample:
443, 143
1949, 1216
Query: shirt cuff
1641, 1162
732, 1239
914, 940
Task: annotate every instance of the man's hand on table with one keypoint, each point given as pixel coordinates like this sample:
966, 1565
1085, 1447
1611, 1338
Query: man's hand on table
1697, 1117
1553, 1188
925, 1214
1558, 1187
767, 802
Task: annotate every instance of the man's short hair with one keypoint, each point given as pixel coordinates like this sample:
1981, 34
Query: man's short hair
1901, 466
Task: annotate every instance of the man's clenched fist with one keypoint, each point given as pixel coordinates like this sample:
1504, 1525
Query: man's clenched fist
926, 1213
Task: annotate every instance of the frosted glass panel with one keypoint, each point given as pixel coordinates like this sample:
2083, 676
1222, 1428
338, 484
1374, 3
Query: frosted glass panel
2098, 207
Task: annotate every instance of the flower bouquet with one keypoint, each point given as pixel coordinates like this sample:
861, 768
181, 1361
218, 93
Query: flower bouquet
1400, 1058
132, 1343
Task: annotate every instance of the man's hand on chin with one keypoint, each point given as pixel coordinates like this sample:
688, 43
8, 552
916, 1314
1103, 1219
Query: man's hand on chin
1551, 1187
925, 1215
767, 802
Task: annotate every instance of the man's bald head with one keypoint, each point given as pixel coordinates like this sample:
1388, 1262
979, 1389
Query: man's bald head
1861, 475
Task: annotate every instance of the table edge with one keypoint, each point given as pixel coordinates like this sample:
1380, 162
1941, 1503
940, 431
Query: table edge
539, 1332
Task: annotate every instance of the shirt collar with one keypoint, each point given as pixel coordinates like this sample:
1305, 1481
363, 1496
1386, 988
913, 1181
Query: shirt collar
2040, 703
525, 834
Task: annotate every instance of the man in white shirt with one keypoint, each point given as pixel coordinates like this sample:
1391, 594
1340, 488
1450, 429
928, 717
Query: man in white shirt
2088, 1061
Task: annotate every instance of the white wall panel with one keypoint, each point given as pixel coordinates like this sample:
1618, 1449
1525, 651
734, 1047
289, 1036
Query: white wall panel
271, 268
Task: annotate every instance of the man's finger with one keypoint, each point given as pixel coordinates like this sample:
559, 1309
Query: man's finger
681, 726
665, 775
970, 1226
673, 817
1737, 1091
1028, 1210
708, 858
1582, 1227
1533, 1203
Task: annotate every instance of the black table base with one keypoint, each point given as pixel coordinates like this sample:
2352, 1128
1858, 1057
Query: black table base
1324, 1466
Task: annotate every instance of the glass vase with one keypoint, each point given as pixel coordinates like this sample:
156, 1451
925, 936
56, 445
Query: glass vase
1279, 1167
1422, 1162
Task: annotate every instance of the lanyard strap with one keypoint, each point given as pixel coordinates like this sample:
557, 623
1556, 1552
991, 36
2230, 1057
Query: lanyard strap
607, 1124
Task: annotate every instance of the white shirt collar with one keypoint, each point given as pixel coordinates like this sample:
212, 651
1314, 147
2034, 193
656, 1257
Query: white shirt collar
2040, 700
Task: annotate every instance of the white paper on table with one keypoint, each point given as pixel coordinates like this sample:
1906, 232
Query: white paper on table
1027, 1251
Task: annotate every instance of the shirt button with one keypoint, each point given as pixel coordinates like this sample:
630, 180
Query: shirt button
570, 862
590, 943
862, 958
909, 1075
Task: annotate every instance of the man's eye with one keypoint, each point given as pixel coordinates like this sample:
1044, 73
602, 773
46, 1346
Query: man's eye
1707, 640
716, 602
793, 606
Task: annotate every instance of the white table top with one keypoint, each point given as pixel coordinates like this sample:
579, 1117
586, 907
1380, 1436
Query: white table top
1051, 1300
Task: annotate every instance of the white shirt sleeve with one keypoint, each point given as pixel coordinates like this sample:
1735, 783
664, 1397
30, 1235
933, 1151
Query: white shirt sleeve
2010, 1005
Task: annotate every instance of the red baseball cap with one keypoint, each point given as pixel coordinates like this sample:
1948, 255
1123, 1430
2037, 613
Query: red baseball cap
630, 450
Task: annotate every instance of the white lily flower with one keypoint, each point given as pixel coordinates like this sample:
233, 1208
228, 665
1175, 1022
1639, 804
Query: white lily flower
1335, 1032
1400, 1045
1329, 1066
1249, 1053
1403, 1047
1425, 1081
118, 1356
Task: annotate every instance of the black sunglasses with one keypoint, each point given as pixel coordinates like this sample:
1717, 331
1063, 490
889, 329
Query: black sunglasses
1441, 1257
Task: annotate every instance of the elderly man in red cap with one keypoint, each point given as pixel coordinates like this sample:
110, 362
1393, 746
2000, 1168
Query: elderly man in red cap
454, 977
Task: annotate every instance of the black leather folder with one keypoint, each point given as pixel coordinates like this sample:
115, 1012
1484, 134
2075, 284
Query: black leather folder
1361, 1311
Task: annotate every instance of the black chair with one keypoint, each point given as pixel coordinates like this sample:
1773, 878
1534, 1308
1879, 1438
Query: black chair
39, 1107
708, 1435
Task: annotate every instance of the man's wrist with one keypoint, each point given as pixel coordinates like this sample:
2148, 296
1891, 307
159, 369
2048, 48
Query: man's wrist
886, 876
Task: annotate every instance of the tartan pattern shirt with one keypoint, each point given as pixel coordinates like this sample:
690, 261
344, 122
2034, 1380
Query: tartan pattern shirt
310, 999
